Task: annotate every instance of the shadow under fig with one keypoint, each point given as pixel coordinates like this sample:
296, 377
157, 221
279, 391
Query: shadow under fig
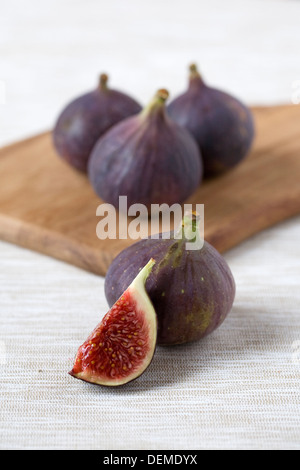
245, 336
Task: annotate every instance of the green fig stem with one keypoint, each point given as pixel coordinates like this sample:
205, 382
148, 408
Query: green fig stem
189, 229
103, 79
195, 77
194, 71
162, 95
158, 102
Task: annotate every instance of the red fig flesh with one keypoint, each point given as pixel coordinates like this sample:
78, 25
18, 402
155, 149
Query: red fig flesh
86, 118
222, 126
122, 345
148, 158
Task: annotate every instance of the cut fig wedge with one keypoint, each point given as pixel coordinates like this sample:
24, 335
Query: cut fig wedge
122, 345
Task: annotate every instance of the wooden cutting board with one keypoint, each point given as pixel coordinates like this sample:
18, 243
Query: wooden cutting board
48, 207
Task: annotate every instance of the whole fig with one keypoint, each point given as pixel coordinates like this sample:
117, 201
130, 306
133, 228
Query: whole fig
222, 126
146, 157
86, 118
192, 291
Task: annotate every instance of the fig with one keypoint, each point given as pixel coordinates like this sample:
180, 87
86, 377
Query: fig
86, 118
146, 157
192, 291
222, 126
122, 345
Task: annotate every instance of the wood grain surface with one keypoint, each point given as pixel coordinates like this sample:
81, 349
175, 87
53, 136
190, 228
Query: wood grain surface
48, 207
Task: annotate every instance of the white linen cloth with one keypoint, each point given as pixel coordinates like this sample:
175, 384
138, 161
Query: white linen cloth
239, 387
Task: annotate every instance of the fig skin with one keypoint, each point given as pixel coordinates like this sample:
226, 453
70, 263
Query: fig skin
146, 157
221, 124
86, 118
192, 291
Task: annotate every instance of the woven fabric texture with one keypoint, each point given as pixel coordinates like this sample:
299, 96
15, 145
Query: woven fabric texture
239, 388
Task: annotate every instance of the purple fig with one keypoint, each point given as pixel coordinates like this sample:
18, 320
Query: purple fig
192, 290
148, 158
222, 126
86, 118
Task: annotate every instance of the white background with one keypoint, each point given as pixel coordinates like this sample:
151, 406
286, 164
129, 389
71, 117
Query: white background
239, 388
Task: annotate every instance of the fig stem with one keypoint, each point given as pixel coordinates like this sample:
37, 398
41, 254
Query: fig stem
162, 95
157, 102
189, 228
193, 68
103, 79
195, 78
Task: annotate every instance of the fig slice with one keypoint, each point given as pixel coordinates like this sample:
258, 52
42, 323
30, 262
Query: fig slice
122, 345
